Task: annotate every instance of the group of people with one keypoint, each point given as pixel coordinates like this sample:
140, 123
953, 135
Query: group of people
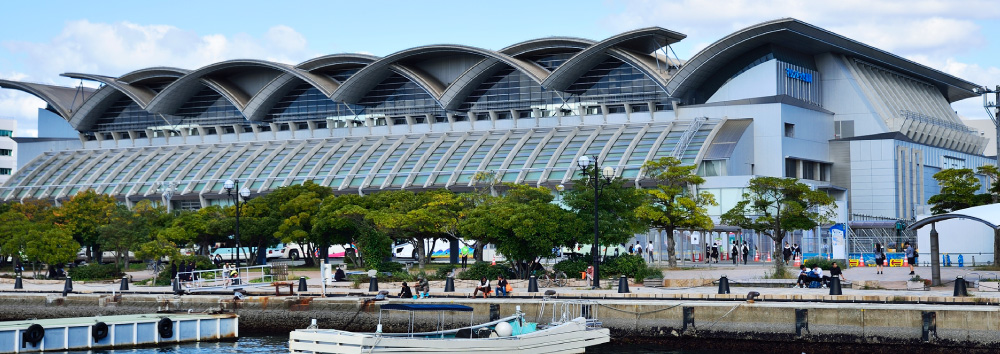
881, 258
637, 249
807, 276
791, 252
423, 289
738, 252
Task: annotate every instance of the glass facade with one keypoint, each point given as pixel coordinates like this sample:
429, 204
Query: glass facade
208, 107
613, 82
125, 114
305, 102
508, 89
398, 96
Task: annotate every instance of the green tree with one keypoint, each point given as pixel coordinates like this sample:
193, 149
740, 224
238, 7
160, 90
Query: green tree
671, 204
618, 222
82, 215
993, 175
959, 188
774, 206
123, 234
523, 223
293, 207
52, 246
158, 248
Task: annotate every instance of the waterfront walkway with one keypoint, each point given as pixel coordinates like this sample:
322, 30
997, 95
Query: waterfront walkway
691, 282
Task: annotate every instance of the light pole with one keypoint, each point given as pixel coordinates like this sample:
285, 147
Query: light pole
608, 173
244, 194
994, 115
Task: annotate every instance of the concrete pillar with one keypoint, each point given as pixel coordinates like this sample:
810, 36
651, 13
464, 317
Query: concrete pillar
935, 258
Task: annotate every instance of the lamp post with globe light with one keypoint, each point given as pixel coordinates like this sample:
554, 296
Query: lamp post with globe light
243, 194
598, 183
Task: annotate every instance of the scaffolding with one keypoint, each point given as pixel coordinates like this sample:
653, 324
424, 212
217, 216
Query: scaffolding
863, 231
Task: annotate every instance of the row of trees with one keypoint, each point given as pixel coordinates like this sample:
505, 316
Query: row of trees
522, 221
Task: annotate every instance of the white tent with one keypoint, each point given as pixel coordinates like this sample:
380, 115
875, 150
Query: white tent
986, 214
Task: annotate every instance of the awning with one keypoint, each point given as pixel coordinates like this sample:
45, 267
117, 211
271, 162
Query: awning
986, 214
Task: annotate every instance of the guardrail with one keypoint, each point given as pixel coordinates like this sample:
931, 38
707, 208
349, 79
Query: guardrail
225, 278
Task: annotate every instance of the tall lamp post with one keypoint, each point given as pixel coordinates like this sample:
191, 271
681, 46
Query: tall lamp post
598, 183
244, 194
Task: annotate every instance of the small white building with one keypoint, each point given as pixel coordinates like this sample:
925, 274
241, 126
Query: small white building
8, 149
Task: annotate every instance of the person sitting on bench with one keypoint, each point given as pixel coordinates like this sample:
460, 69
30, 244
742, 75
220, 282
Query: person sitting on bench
405, 293
339, 275
805, 277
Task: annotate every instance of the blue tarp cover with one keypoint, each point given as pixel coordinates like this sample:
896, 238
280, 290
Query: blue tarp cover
426, 307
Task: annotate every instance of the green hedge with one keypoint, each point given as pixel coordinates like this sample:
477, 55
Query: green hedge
485, 269
573, 267
95, 272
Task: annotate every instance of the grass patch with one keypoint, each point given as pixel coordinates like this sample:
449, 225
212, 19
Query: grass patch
994, 268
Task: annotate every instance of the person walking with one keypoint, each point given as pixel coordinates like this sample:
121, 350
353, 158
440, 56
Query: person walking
786, 253
638, 250
796, 251
715, 251
649, 250
911, 256
734, 252
465, 260
746, 253
879, 258
708, 253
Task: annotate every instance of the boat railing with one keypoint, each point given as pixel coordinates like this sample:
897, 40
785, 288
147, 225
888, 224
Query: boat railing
224, 278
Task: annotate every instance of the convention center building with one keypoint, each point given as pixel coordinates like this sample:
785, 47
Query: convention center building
781, 98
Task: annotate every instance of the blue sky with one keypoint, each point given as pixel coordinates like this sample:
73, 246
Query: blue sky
39, 40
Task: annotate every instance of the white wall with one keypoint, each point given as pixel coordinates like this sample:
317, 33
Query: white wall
759, 81
7, 143
957, 236
842, 95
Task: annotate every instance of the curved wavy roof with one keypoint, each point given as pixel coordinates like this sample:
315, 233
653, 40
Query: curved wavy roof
540, 44
628, 47
807, 39
140, 95
365, 79
256, 74
334, 60
158, 72
63, 100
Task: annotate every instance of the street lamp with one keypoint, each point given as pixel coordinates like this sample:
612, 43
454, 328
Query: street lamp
608, 173
244, 194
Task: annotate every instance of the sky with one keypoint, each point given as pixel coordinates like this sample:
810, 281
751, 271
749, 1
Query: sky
41, 39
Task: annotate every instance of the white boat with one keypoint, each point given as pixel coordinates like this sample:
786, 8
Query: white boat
507, 335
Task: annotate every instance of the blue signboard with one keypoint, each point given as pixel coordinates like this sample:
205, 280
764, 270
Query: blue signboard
798, 75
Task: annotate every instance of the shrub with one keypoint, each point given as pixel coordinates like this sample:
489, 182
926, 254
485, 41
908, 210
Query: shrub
391, 267
95, 272
573, 267
444, 272
484, 269
823, 263
627, 264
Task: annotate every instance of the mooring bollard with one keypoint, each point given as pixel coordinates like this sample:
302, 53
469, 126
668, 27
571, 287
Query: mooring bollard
835, 286
623, 285
68, 288
449, 284
723, 285
124, 283
532, 284
373, 284
17, 283
302, 284
960, 287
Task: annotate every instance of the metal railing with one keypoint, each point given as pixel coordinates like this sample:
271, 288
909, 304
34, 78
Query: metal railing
215, 279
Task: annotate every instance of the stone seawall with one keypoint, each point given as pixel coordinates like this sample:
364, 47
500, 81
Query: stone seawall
963, 325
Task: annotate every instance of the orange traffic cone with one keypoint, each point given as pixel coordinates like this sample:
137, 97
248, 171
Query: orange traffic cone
494, 260
796, 263
906, 262
756, 257
769, 258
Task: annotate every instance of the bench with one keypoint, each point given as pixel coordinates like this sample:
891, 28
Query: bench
770, 283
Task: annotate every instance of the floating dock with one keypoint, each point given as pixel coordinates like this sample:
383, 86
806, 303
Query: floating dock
106, 332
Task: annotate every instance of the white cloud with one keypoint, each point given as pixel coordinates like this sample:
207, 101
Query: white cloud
117, 48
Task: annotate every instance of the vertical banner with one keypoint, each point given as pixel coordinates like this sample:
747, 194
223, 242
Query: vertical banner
838, 236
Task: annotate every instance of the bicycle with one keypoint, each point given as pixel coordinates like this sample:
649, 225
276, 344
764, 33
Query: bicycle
553, 279
153, 266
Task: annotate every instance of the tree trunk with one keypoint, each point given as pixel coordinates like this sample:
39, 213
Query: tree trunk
421, 252
477, 253
996, 248
671, 248
779, 261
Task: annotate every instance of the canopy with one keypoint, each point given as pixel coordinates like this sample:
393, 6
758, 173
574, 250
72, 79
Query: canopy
987, 214
425, 307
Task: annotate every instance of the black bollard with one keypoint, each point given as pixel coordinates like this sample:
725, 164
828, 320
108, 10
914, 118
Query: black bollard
723, 285
17, 283
302, 284
623, 285
68, 288
124, 283
835, 286
960, 288
532, 284
373, 284
449, 285
176, 286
